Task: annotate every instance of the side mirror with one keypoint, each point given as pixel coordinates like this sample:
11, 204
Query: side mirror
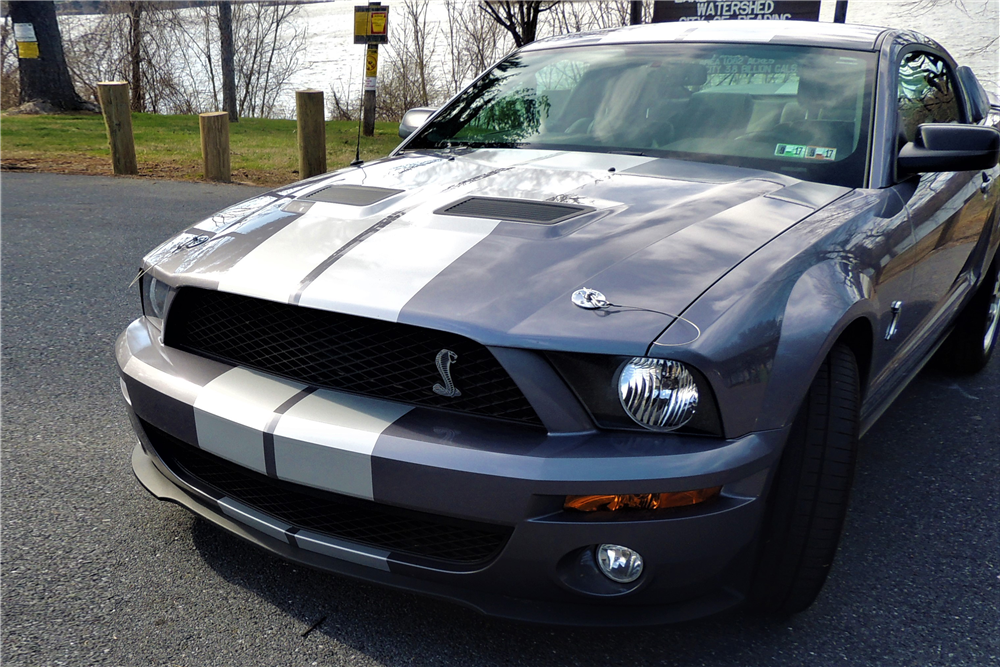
950, 147
413, 119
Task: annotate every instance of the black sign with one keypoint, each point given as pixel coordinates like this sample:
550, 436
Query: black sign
709, 10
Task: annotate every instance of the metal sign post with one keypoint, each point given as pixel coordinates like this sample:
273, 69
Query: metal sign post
840, 15
371, 27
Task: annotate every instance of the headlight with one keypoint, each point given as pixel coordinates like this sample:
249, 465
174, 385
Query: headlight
157, 295
659, 394
154, 297
598, 381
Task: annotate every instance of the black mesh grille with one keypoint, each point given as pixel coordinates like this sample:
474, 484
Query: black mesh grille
344, 352
517, 210
460, 543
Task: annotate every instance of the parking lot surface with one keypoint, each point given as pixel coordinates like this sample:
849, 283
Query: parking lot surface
96, 572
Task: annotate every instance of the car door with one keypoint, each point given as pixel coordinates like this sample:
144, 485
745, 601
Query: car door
947, 210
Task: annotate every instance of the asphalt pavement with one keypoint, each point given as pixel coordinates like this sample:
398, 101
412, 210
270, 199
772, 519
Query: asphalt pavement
97, 572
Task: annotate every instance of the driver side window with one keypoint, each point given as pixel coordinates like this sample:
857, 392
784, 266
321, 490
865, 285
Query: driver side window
926, 94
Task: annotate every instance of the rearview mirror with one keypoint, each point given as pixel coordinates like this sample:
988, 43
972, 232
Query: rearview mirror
413, 119
950, 147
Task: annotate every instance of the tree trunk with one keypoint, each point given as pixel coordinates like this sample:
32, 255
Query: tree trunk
635, 12
138, 102
228, 58
45, 79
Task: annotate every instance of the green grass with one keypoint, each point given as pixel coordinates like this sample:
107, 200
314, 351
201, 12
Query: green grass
263, 151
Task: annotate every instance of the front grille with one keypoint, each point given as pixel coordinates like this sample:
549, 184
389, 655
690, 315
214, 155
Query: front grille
459, 543
344, 352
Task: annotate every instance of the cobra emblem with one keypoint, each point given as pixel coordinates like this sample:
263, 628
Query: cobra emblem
443, 361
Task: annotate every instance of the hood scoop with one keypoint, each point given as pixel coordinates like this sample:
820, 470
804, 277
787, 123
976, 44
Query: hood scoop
351, 195
513, 210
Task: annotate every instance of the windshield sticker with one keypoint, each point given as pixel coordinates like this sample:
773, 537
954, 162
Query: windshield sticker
805, 152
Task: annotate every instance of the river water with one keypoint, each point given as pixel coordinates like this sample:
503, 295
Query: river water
968, 29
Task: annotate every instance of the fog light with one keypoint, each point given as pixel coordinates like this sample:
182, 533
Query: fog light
619, 563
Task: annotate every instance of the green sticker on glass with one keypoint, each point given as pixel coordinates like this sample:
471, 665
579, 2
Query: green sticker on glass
805, 152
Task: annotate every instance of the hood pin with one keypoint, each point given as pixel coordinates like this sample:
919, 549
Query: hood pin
589, 299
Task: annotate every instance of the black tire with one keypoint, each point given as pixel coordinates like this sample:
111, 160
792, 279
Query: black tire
808, 499
970, 344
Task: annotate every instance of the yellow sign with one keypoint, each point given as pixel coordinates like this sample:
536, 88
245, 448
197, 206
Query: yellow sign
371, 24
27, 49
371, 61
360, 25
379, 21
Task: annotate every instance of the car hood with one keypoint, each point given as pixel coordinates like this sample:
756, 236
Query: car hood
379, 241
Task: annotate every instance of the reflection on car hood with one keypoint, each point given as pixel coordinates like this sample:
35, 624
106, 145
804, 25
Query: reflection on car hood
379, 241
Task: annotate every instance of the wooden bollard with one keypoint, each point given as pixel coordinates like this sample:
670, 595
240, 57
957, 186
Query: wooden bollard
118, 121
312, 132
215, 145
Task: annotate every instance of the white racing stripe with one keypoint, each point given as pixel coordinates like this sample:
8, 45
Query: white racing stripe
235, 213
170, 384
274, 269
232, 411
378, 277
326, 441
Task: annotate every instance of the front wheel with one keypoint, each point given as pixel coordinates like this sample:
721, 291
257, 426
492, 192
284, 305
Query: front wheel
808, 498
970, 345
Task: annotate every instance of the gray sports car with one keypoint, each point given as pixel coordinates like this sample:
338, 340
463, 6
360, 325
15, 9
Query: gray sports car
596, 343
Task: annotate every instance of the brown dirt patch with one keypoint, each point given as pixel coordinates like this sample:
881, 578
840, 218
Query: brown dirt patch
89, 165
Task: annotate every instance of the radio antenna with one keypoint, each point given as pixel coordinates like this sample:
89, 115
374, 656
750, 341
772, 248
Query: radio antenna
361, 112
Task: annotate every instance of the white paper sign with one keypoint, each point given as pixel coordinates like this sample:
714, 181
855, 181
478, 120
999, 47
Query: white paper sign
24, 32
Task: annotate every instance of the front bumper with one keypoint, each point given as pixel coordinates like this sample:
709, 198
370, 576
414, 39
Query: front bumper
452, 470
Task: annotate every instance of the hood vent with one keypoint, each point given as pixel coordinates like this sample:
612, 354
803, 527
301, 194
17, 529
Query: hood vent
351, 195
514, 210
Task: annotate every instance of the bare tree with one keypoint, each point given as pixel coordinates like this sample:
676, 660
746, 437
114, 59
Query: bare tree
345, 98
518, 17
267, 41
9, 86
972, 10
135, 54
475, 41
171, 54
407, 77
228, 60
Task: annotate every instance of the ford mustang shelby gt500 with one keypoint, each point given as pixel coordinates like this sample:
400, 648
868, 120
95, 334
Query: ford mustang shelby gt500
595, 344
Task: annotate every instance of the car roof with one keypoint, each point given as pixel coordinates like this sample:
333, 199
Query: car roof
802, 33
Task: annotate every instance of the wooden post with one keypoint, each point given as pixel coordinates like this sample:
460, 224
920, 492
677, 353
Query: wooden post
311, 127
215, 145
118, 121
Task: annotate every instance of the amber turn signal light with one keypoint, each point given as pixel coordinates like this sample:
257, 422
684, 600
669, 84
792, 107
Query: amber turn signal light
642, 501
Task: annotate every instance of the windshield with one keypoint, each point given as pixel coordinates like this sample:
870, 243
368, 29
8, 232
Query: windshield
796, 110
